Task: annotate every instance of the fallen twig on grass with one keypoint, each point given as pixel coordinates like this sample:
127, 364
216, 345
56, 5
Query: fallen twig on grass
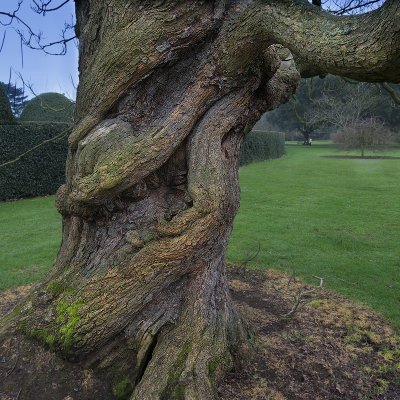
249, 257
302, 295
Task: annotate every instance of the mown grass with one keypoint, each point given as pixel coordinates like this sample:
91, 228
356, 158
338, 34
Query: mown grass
30, 234
335, 218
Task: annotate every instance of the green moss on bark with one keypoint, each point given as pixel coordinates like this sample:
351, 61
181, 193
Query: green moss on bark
44, 336
68, 315
58, 288
175, 390
123, 388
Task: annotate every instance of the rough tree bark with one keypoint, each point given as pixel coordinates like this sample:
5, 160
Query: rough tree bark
167, 89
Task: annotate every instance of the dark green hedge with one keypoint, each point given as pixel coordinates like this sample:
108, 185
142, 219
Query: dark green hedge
260, 146
41, 171
6, 115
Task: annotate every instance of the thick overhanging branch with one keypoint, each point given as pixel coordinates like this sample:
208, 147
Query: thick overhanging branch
364, 47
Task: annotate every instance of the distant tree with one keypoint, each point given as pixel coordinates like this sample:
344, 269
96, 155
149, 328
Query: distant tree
363, 134
388, 108
298, 115
347, 106
304, 105
322, 106
16, 96
48, 107
6, 115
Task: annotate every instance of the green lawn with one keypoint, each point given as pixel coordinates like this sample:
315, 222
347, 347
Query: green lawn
30, 233
336, 218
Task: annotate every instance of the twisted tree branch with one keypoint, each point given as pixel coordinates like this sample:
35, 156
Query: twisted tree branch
363, 47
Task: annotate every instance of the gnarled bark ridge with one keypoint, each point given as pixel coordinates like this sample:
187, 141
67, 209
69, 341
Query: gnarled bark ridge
166, 91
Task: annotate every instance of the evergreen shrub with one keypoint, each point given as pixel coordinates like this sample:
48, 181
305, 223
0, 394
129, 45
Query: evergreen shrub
6, 115
48, 107
41, 171
260, 146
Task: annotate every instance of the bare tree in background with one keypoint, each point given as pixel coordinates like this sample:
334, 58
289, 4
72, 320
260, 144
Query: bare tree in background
345, 106
351, 113
322, 105
363, 134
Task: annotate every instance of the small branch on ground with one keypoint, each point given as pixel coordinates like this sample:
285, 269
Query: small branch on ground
301, 296
248, 258
15, 364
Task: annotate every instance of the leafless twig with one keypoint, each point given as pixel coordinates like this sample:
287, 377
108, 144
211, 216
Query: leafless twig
301, 296
34, 39
250, 257
395, 95
43, 104
43, 7
342, 7
15, 364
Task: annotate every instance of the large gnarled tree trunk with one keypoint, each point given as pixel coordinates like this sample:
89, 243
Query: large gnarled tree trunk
167, 89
